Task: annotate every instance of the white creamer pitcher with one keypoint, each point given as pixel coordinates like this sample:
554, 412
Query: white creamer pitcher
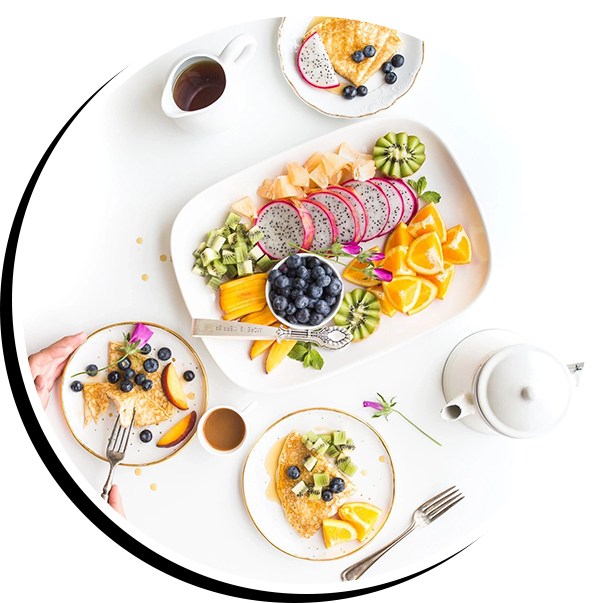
495, 381
219, 115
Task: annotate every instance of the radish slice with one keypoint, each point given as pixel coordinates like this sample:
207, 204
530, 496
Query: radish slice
411, 203
325, 226
348, 224
351, 195
376, 204
396, 202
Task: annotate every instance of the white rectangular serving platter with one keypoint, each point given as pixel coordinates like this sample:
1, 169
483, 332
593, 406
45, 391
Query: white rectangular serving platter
209, 208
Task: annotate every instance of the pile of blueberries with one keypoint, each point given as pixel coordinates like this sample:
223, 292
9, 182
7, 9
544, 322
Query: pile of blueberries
397, 60
303, 290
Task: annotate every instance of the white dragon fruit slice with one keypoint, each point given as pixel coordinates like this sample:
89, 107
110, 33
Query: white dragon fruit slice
283, 222
396, 203
351, 195
348, 225
411, 203
314, 64
325, 226
376, 204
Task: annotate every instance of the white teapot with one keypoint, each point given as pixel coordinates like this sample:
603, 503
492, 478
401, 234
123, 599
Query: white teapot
495, 381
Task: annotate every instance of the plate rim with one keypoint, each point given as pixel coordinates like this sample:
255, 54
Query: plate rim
157, 326
343, 412
330, 114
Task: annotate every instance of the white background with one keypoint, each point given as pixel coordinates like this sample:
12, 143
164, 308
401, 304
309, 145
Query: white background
535, 155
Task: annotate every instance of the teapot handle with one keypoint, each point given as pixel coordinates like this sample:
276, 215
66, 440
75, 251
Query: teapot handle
240, 50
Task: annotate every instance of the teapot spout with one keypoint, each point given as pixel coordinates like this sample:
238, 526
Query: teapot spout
458, 407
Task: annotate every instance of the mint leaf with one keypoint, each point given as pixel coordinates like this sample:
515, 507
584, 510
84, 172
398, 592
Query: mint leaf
431, 197
413, 184
298, 352
421, 184
315, 360
307, 359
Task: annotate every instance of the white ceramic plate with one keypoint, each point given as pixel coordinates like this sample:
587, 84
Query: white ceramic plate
380, 95
375, 480
94, 437
209, 209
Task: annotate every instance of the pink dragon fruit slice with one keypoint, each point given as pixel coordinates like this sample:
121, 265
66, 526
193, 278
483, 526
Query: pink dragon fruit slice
325, 226
411, 203
314, 64
396, 203
377, 206
348, 224
351, 195
283, 222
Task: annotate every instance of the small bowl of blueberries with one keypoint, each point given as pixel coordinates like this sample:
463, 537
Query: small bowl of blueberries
304, 290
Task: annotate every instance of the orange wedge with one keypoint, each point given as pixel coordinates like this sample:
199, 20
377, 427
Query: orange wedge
443, 280
336, 531
356, 277
427, 293
395, 262
363, 516
457, 246
403, 292
425, 254
428, 220
386, 306
400, 236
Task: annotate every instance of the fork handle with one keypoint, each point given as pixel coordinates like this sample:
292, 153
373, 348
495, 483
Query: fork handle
108, 483
353, 572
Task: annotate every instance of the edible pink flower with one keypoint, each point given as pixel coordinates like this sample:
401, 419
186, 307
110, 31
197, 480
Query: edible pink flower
140, 334
376, 257
374, 405
383, 275
352, 248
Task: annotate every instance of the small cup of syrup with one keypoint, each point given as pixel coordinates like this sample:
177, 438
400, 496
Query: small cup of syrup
222, 429
200, 92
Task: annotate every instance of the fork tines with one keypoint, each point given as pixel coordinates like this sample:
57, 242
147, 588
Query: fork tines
119, 437
442, 502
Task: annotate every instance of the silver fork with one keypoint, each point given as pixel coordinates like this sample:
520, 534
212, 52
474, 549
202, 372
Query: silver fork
116, 449
429, 511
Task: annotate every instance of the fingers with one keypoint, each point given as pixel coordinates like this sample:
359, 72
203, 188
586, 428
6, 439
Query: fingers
39, 382
43, 394
115, 500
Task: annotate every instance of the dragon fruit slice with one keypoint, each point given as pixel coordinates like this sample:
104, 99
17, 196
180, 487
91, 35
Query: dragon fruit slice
352, 196
411, 203
376, 204
314, 64
348, 224
396, 203
283, 222
325, 226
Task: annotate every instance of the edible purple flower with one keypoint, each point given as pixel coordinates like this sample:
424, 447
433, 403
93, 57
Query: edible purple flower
374, 405
351, 248
383, 275
140, 335
376, 257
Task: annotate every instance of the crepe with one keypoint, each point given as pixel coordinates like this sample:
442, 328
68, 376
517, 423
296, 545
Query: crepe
303, 514
342, 37
151, 407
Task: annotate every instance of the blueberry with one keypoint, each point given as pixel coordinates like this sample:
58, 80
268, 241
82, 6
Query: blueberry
150, 365
76, 386
337, 484
145, 349
292, 273
317, 272
283, 281
147, 385
327, 496
330, 300
302, 272
164, 353
315, 319
126, 386
300, 283
140, 378
124, 364
334, 288
280, 303
312, 303
386, 67
146, 436
312, 262
302, 302
128, 374
362, 90
322, 308
293, 472
293, 319
294, 261
358, 56
273, 295
92, 370
314, 291
283, 268
113, 377
349, 92
285, 292
189, 375
303, 316
295, 293
290, 309
323, 281
391, 77
273, 275
397, 60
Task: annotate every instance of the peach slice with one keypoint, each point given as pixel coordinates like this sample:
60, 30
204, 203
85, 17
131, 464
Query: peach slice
277, 353
173, 388
179, 432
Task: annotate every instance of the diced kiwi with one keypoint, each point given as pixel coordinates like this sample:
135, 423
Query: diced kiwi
214, 282
339, 437
245, 268
208, 255
232, 271
255, 253
320, 447
348, 468
315, 493
232, 220
264, 263
321, 479
254, 235
309, 462
228, 257
300, 489
218, 243
333, 451
309, 439
201, 247
348, 446
231, 238
199, 270
241, 252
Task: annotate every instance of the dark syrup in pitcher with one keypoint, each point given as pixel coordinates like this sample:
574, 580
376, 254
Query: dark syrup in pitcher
199, 86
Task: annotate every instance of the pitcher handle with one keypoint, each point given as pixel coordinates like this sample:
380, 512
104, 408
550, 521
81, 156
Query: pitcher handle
240, 50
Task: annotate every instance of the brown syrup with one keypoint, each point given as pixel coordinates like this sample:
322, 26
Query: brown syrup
199, 86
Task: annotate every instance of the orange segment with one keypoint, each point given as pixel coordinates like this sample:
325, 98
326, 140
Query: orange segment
336, 531
400, 236
363, 516
395, 261
386, 306
425, 254
457, 247
403, 292
427, 293
356, 277
443, 280
428, 220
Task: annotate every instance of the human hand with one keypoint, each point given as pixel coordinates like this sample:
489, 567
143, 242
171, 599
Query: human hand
115, 500
47, 364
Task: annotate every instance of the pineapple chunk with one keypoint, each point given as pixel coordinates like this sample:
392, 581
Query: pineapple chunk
265, 190
319, 176
313, 162
337, 178
347, 152
334, 163
364, 170
282, 188
298, 175
245, 207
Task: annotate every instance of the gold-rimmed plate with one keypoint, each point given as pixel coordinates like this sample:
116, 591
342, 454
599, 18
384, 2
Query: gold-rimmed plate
375, 480
380, 95
94, 436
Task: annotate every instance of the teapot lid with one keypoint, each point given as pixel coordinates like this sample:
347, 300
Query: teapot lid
523, 391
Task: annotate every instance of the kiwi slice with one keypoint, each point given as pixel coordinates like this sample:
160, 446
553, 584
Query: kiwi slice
339, 437
399, 155
320, 446
333, 451
321, 480
360, 314
348, 446
315, 493
309, 462
300, 489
